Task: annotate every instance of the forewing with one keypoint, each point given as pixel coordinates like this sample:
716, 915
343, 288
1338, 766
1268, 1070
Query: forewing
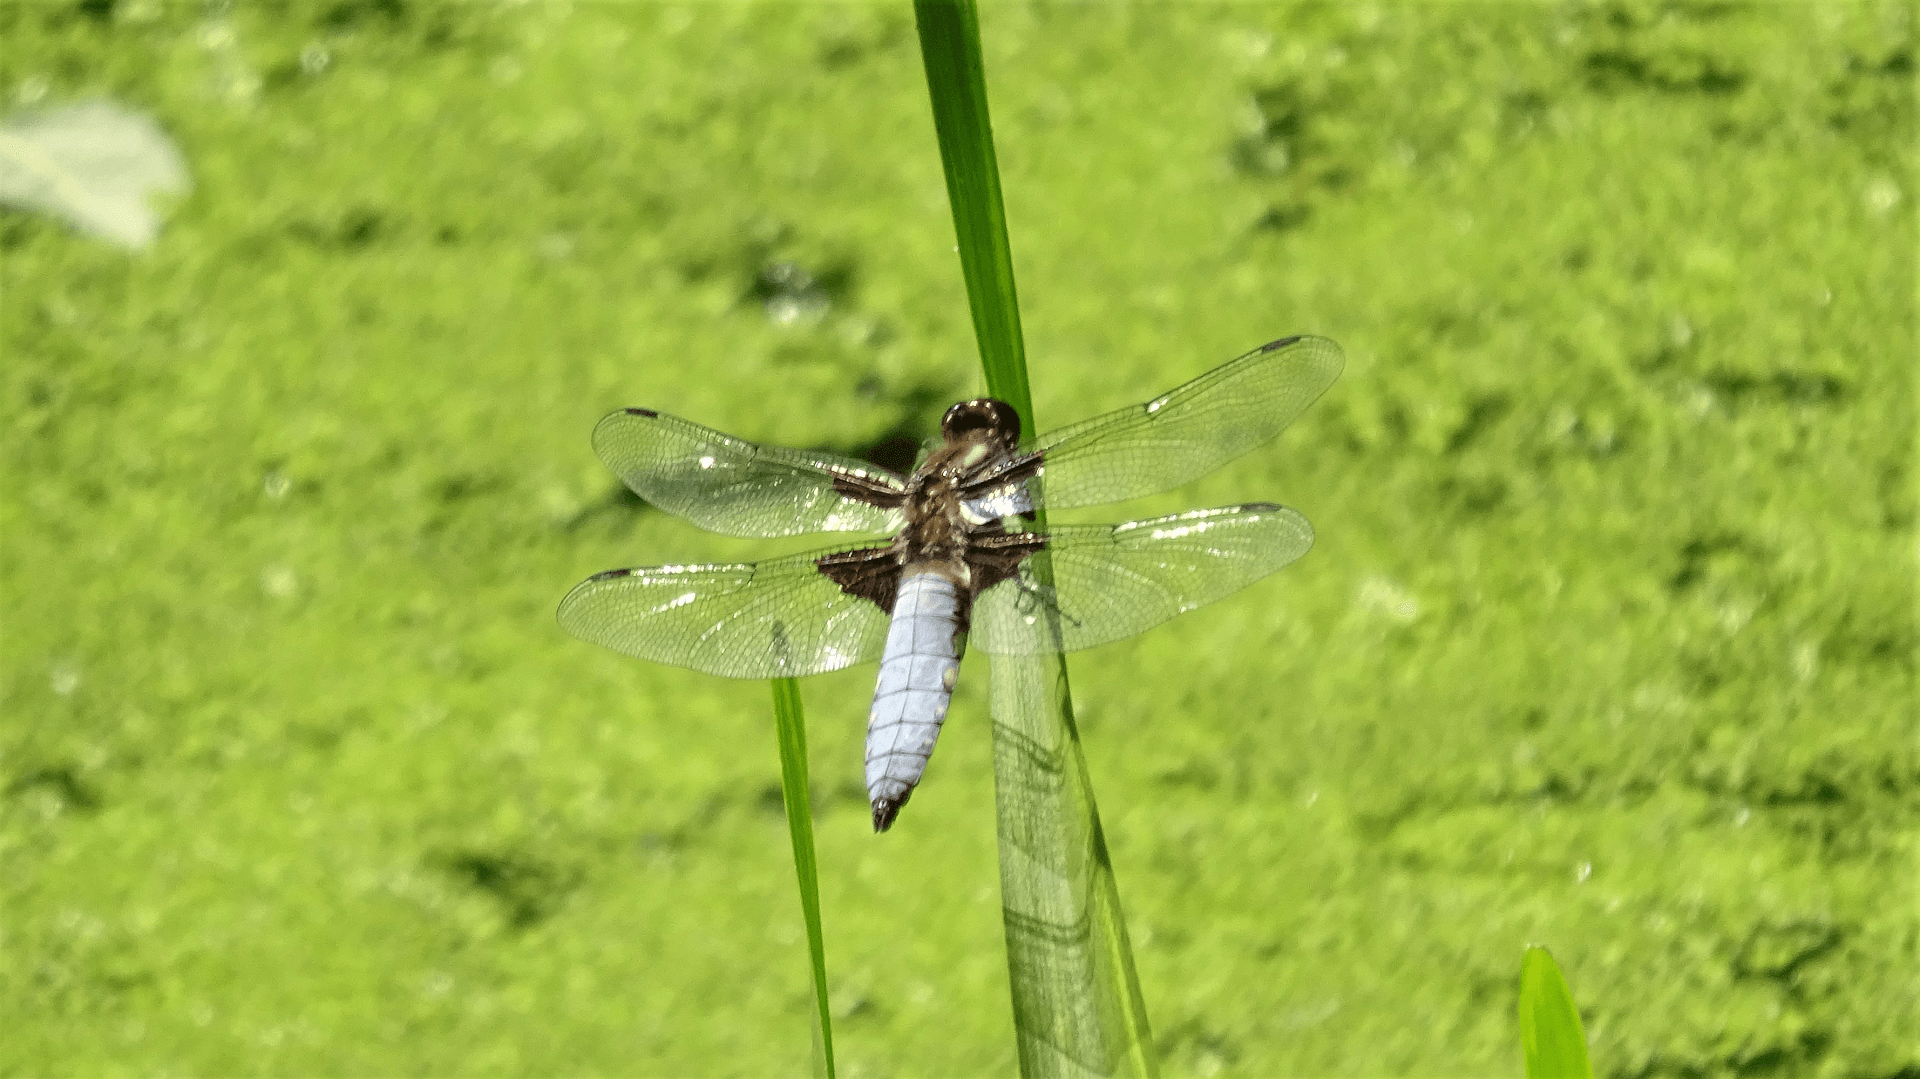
775, 619
734, 487
1188, 432
1113, 581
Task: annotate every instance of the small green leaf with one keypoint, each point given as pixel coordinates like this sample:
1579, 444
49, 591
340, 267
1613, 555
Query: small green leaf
791, 723
1550, 1032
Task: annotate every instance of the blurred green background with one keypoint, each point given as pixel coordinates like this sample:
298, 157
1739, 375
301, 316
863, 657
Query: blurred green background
1607, 642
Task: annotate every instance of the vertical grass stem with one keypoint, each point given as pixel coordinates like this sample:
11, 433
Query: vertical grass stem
790, 722
1077, 1005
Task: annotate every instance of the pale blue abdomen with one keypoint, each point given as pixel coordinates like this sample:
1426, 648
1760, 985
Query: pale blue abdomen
917, 673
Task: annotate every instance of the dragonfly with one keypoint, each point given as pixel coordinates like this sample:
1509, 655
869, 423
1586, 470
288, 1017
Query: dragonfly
961, 563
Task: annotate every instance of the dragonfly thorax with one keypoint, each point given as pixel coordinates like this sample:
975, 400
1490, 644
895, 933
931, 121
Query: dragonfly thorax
937, 528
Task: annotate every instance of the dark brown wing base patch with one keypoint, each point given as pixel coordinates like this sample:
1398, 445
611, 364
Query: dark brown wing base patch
871, 573
996, 556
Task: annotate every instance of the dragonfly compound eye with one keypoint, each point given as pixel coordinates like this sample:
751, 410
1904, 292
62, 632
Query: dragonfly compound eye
997, 418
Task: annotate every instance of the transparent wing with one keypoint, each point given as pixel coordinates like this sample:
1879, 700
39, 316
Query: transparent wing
775, 619
1113, 581
734, 487
1188, 432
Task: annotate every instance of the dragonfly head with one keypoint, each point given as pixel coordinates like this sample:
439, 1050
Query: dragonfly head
982, 418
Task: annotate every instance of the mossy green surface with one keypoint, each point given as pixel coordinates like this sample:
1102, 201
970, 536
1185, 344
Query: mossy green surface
1607, 642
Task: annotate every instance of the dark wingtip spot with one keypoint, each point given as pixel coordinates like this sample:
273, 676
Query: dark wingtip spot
1282, 343
885, 809
610, 574
647, 412
1261, 507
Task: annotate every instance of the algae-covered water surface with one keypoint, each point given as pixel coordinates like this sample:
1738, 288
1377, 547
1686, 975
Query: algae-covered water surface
1607, 641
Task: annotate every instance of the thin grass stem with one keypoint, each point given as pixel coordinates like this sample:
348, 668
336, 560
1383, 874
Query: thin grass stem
791, 723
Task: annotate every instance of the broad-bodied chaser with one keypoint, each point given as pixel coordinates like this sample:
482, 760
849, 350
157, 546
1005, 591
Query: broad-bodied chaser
954, 569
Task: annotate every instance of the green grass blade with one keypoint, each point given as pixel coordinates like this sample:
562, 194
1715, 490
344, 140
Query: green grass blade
1550, 1032
1077, 1005
957, 85
791, 723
